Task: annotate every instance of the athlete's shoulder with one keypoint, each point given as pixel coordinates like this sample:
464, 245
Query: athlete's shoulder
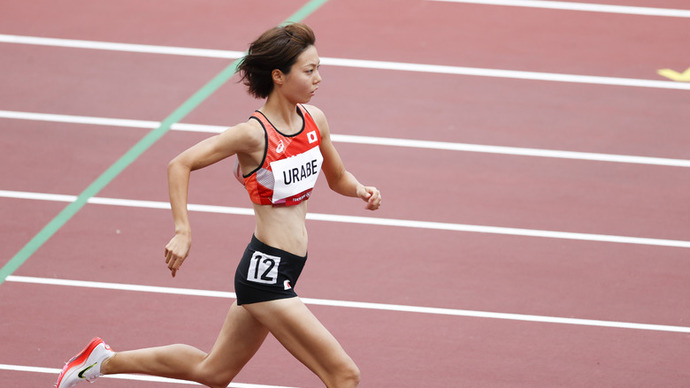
247, 129
247, 135
313, 110
318, 116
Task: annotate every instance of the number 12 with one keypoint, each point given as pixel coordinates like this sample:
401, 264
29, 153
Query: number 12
263, 268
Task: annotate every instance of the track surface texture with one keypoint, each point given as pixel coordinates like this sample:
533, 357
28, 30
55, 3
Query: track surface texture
505, 254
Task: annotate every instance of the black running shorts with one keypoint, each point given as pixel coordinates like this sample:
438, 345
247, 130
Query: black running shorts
266, 273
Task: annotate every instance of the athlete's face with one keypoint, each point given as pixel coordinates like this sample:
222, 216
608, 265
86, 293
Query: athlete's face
304, 78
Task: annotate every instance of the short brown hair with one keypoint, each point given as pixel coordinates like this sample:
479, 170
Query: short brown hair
277, 48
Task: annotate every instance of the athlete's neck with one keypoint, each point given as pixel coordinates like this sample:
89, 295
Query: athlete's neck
283, 114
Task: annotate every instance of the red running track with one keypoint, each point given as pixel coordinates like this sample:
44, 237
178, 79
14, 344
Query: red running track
43, 325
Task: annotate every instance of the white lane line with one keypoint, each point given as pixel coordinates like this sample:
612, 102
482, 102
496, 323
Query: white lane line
367, 140
125, 47
512, 74
518, 151
367, 64
588, 7
55, 371
367, 220
357, 305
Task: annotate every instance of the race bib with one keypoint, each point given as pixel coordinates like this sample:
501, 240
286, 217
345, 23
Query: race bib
296, 174
263, 268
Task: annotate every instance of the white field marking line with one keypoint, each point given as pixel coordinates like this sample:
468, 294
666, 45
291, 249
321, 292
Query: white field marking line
125, 47
55, 371
367, 140
591, 156
365, 220
570, 6
512, 74
105, 121
367, 64
358, 305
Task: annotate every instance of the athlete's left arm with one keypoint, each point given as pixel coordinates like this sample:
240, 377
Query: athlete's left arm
339, 179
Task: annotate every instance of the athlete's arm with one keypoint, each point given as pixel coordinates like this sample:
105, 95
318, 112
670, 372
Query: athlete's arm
243, 138
339, 179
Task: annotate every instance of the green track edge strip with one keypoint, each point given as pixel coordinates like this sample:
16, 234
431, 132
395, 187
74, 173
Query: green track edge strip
130, 156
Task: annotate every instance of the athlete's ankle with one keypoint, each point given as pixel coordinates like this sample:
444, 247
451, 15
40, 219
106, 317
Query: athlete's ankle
105, 365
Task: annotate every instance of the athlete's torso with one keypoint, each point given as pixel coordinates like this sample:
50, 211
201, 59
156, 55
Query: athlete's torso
290, 166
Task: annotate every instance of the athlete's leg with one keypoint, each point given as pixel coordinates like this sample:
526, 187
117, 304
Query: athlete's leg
308, 340
239, 339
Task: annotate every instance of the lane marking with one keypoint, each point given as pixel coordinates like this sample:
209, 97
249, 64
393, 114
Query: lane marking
358, 63
364, 220
674, 75
356, 305
131, 155
36, 369
518, 151
511, 74
124, 47
367, 140
588, 7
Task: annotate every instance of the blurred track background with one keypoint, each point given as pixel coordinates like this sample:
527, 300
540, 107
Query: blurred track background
533, 163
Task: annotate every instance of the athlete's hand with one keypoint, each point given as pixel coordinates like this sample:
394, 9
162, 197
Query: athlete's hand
371, 195
177, 250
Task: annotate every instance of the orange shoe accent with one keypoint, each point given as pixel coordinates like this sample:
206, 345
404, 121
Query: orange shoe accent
79, 358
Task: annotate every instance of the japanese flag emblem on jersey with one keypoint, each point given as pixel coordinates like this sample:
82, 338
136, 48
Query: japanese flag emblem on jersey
311, 136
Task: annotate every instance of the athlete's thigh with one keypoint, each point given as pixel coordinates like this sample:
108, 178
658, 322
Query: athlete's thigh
239, 339
301, 333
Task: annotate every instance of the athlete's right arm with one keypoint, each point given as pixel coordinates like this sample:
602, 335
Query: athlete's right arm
242, 138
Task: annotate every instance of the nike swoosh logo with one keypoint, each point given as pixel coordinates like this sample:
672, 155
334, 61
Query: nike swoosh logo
81, 374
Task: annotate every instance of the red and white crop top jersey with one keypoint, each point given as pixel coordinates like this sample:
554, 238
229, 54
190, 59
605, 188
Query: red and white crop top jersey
290, 166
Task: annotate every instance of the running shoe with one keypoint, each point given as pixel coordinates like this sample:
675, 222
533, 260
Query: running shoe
85, 365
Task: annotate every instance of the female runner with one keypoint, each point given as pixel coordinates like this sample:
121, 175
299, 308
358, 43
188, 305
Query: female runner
281, 149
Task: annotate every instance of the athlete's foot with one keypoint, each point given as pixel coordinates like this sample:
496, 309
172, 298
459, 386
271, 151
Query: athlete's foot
86, 365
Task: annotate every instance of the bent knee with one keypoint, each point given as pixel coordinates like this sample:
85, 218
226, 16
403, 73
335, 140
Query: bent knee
352, 377
347, 376
214, 381
213, 378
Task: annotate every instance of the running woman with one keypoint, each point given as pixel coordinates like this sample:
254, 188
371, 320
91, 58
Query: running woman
281, 150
